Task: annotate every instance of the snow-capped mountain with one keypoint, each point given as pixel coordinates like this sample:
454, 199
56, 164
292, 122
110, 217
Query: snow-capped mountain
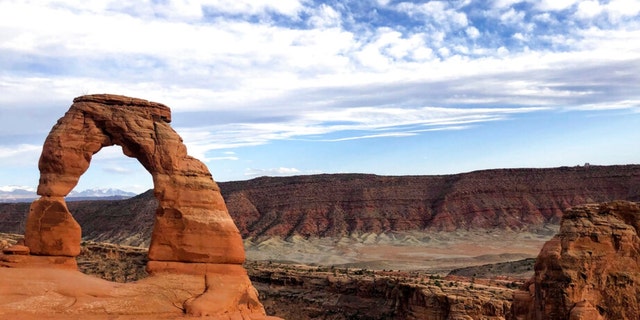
17, 193
100, 193
27, 194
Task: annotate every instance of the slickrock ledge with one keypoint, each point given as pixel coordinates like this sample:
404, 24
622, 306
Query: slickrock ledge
590, 269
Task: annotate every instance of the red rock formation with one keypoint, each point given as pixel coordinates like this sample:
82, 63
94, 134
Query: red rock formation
63, 294
193, 232
192, 222
340, 204
590, 269
51, 230
306, 294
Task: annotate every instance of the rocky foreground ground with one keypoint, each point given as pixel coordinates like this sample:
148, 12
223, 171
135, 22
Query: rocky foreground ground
588, 271
295, 291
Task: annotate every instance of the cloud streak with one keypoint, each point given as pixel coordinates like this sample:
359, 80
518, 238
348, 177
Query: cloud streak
247, 73
351, 123
251, 172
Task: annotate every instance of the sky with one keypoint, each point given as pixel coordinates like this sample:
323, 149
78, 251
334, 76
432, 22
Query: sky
293, 87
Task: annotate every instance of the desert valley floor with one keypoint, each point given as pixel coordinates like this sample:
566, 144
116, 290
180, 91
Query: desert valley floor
437, 252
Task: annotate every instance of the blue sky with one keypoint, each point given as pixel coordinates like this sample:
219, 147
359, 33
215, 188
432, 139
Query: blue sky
293, 87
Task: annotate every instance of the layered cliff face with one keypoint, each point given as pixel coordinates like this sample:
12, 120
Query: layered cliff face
335, 205
343, 204
590, 269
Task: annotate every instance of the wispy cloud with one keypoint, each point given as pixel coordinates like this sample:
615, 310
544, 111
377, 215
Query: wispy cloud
232, 158
23, 154
247, 73
372, 136
117, 170
13, 188
351, 123
633, 105
252, 172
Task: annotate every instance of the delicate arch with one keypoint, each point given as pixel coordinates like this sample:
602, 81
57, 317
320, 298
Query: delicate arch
192, 222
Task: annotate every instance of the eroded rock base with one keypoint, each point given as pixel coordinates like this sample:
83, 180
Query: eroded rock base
34, 293
33, 262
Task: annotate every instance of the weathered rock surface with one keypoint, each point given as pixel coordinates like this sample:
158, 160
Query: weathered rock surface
47, 293
590, 269
193, 233
192, 223
362, 294
289, 291
51, 230
343, 204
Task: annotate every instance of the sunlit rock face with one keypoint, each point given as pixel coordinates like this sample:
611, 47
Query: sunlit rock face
590, 269
193, 232
192, 223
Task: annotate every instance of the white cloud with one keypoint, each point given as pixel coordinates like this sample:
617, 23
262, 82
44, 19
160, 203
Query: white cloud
325, 17
252, 172
351, 123
555, 5
618, 9
512, 16
588, 9
222, 158
519, 36
13, 188
439, 11
472, 32
304, 80
373, 136
633, 105
505, 3
285, 7
118, 170
21, 154
503, 52
109, 153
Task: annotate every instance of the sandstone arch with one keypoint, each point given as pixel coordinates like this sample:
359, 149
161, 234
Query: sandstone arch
192, 223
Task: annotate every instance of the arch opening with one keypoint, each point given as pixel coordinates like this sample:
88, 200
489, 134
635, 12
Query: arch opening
111, 169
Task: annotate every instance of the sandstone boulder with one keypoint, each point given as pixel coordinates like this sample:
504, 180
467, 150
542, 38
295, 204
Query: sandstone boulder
51, 230
590, 269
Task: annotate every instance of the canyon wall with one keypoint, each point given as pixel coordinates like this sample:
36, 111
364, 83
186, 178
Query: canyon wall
335, 205
340, 204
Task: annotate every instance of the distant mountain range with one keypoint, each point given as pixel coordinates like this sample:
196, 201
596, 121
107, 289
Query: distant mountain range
28, 194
